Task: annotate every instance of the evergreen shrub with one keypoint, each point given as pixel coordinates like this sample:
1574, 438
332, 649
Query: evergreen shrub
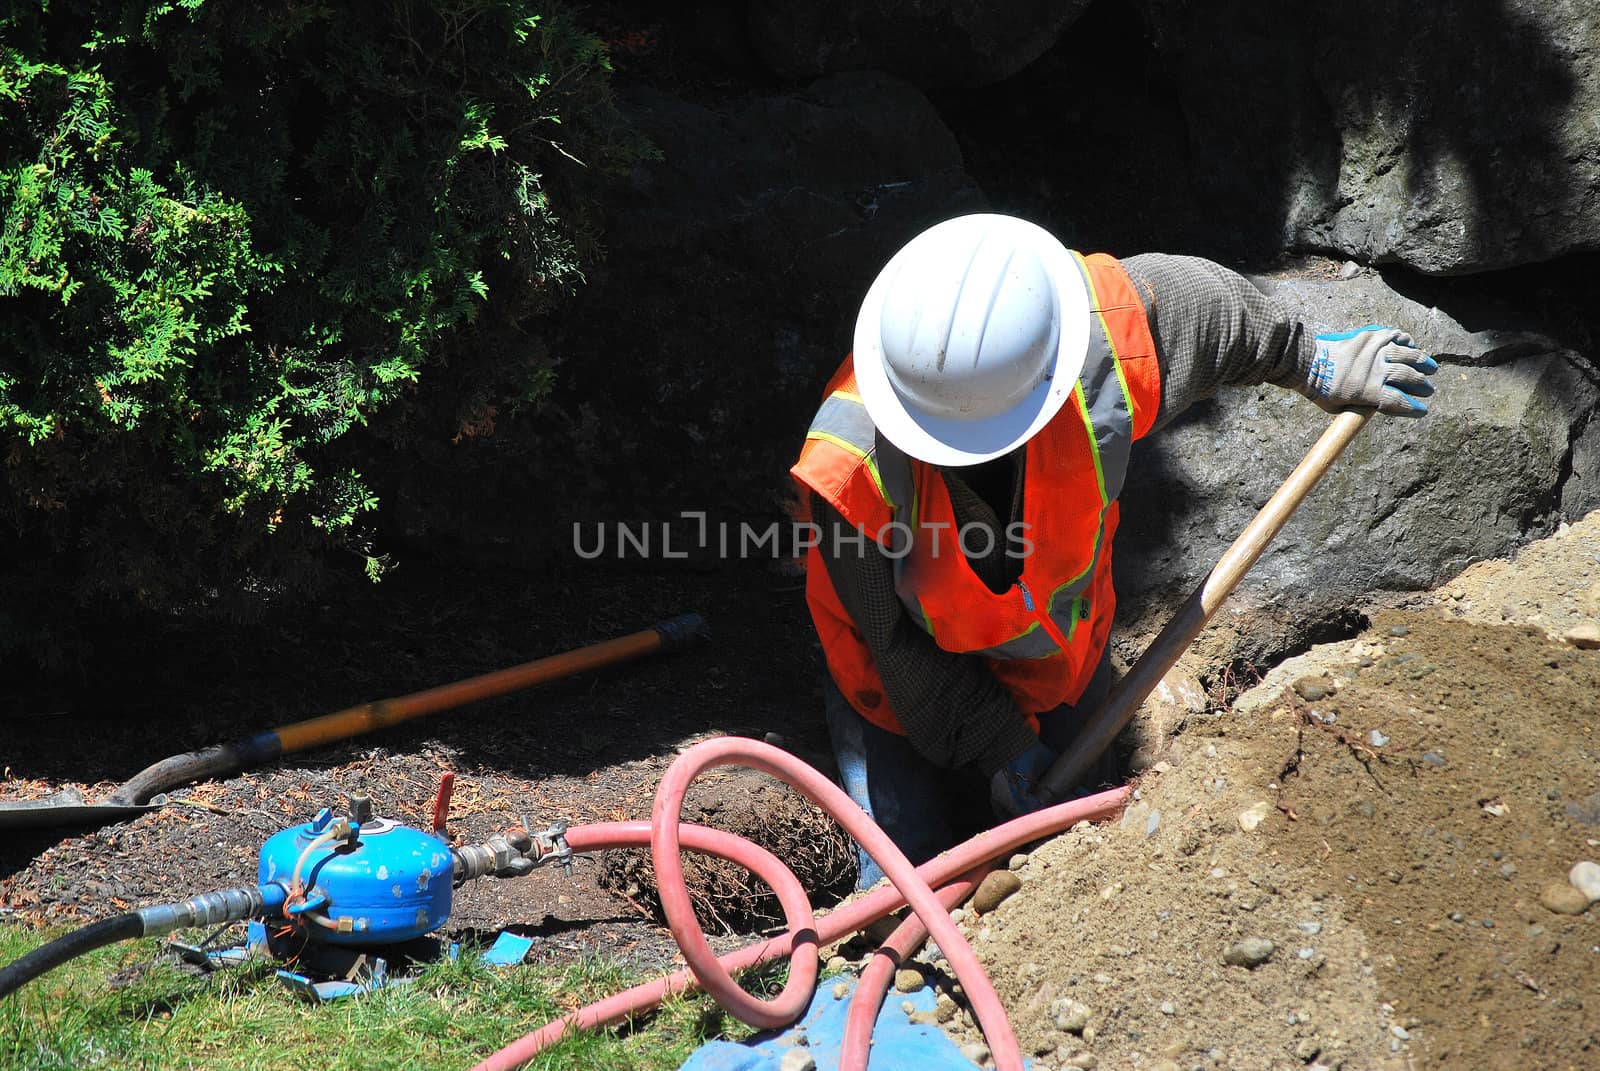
235, 236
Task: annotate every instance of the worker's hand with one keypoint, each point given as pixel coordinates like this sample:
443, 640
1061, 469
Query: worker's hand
1014, 789
1370, 368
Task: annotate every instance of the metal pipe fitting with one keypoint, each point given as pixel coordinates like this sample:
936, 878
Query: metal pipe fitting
512, 853
212, 908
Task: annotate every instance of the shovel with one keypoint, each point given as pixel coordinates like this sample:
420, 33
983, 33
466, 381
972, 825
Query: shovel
145, 791
1104, 724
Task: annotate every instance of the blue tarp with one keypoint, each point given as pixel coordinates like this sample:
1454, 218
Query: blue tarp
896, 1041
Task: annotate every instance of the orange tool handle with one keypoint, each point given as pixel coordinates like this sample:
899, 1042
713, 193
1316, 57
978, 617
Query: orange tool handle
670, 635
369, 717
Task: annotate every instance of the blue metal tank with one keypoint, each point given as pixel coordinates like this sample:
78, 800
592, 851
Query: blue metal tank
393, 884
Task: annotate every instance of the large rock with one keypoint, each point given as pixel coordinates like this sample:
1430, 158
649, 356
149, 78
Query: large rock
1452, 141
929, 42
820, 185
735, 265
1409, 504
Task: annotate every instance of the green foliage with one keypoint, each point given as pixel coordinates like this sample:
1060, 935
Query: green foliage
234, 238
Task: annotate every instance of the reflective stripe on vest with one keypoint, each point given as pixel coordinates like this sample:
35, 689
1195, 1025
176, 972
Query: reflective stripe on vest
842, 420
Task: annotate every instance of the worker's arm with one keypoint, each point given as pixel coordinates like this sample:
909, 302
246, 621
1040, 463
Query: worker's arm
1212, 327
953, 710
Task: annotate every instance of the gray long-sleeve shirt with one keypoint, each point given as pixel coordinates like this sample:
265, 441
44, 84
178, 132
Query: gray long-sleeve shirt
1211, 327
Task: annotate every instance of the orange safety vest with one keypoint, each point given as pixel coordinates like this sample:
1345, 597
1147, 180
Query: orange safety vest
1042, 638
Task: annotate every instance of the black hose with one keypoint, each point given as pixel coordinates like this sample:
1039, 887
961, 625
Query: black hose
16, 974
203, 909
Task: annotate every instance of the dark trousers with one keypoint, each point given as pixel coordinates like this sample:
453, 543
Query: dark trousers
924, 808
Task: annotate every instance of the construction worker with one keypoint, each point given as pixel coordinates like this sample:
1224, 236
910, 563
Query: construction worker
963, 472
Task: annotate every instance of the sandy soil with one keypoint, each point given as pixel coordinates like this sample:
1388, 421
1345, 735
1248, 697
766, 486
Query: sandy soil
1422, 789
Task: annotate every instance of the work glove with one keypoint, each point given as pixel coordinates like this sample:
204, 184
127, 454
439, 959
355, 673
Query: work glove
1015, 788
1371, 367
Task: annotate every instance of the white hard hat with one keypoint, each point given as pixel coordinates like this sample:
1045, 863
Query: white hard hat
971, 339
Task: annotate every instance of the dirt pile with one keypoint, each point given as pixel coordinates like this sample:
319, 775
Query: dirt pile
1415, 798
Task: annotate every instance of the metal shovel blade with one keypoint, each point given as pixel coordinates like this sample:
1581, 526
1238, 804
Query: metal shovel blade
68, 807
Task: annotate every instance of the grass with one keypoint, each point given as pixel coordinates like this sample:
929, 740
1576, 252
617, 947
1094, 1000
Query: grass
129, 1007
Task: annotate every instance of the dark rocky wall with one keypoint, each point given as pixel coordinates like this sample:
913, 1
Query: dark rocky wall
1505, 453
1451, 138
928, 42
693, 359
735, 265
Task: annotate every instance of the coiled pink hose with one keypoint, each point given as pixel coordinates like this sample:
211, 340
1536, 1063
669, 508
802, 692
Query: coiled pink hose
803, 934
785, 1008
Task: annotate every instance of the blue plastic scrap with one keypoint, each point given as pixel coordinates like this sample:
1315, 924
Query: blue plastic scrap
335, 989
897, 1042
508, 950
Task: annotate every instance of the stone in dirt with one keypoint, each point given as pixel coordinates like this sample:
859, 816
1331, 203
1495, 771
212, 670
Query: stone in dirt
1252, 817
1585, 877
797, 1060
1585, 811
1070, 1015
1311, 689
994, 889
1585, 636
1251, 953
907, 980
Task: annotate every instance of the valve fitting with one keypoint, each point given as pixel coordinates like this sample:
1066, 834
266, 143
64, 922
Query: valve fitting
512, 853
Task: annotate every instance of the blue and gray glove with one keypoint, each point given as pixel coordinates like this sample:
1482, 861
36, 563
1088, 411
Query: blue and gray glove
1371, 367
1015, 788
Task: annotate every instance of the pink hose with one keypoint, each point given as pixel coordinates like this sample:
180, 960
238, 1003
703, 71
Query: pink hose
787, 1007
910, 885
875, 980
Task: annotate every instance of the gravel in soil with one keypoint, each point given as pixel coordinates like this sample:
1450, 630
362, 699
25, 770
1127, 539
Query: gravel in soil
1389, 905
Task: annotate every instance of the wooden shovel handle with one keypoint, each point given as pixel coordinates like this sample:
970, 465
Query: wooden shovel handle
1104, 724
